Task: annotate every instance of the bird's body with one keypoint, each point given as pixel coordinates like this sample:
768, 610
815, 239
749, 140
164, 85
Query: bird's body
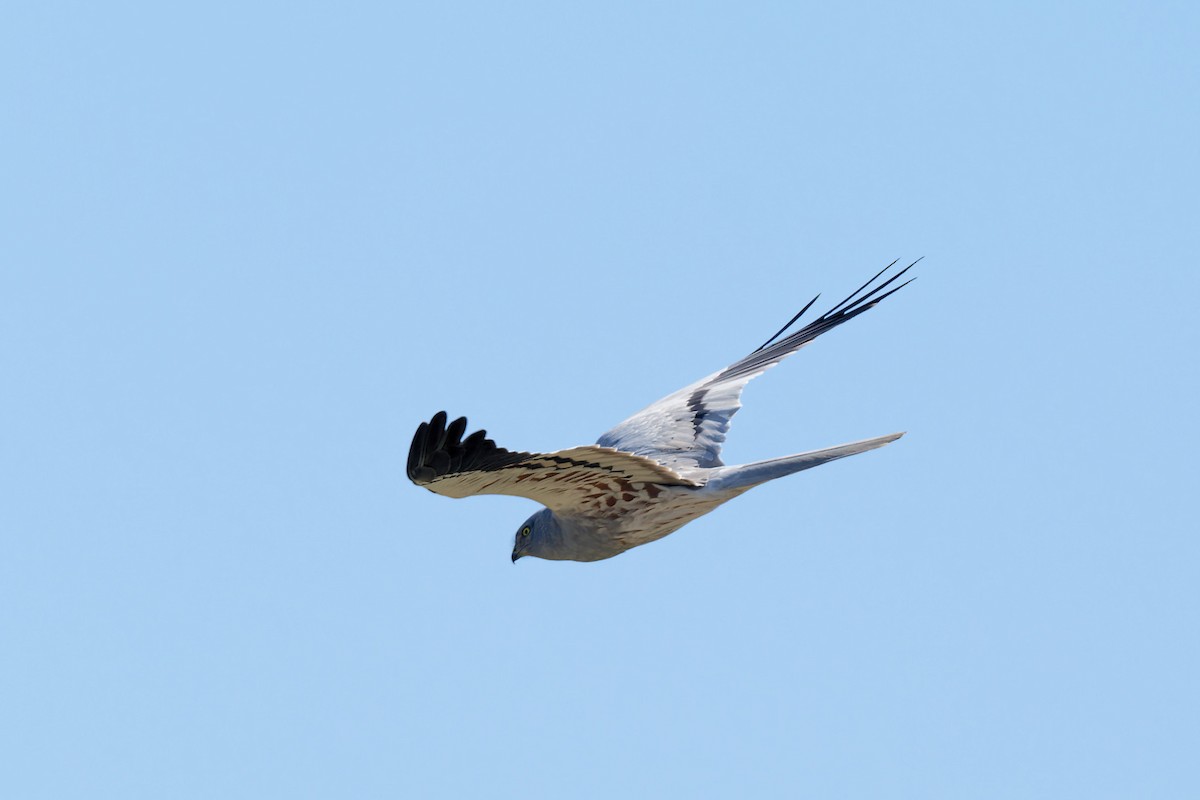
645, 478
651, 512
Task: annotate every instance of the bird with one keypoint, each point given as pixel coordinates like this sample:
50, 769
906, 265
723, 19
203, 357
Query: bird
648, 476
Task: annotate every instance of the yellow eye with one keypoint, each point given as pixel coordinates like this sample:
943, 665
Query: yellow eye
525, 531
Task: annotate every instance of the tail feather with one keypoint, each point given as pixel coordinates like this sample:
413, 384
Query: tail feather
746, 476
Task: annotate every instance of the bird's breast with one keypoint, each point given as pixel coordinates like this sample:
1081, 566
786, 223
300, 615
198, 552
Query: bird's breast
640, 515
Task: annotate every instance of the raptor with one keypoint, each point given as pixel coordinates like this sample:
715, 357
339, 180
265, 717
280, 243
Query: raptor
648, 476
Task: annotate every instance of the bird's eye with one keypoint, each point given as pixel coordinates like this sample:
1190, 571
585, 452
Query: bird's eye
525, 531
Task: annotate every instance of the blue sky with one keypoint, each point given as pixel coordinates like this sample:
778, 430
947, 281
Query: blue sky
247, 248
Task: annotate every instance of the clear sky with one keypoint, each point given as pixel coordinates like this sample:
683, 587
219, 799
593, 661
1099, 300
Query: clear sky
246, 248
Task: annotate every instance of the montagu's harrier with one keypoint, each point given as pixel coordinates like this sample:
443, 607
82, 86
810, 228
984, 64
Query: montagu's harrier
645, 478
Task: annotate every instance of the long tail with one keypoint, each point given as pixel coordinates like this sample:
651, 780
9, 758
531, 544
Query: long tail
747, 476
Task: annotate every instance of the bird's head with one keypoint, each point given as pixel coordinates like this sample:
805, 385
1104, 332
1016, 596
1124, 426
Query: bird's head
537, 536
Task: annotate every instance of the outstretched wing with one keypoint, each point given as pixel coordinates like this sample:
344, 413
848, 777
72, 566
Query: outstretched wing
686, 429
579, 479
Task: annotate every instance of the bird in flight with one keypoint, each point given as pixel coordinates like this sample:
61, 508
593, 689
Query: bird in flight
648, 476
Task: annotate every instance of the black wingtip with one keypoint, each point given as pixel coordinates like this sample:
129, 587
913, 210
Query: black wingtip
439, 449
886, 295
429, 446
416, 452
864, 297
789, 324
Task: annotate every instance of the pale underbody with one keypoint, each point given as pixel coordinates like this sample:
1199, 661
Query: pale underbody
639, 520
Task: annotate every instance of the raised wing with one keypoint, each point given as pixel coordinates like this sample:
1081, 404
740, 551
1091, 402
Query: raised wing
686, 429
577, 480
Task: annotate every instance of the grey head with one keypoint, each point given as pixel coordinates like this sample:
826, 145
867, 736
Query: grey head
568, 538
539, 536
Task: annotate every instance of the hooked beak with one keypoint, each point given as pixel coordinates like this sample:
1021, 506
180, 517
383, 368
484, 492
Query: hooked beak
516, 555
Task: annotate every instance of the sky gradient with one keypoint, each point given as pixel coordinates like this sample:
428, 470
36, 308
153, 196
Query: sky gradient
246, 249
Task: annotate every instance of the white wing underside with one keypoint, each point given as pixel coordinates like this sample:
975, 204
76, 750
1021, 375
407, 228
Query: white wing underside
685, 430
681, 434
